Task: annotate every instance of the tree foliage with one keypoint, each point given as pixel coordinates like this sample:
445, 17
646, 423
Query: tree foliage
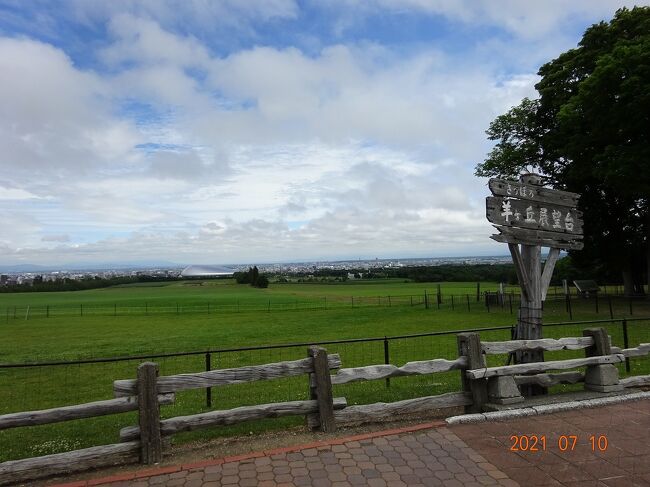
252, 277
589, 132
67, 284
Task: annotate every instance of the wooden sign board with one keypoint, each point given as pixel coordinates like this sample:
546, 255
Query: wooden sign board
526, 213
534, 215
530, 214
516, 189
524, 236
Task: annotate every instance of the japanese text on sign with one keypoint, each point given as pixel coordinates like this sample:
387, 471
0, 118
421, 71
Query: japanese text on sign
560, 220
522, 191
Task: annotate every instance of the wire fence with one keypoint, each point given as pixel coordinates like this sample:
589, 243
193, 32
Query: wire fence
614, 305
34, 386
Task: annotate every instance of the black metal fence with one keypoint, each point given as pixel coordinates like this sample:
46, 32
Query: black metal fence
32, 386
612, 305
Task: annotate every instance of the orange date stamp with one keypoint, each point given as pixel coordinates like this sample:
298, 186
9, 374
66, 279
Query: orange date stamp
563, 443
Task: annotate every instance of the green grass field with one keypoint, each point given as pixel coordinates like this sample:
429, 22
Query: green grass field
154, 319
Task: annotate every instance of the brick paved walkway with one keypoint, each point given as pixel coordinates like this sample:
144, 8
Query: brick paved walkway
433, 454
625, 461
425, 456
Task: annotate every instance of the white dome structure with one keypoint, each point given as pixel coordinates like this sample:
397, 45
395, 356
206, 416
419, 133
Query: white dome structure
206, 271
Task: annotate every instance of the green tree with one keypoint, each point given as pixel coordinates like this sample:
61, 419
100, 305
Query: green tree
589, 132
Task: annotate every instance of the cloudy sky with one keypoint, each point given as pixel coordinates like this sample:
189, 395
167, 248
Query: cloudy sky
231, 131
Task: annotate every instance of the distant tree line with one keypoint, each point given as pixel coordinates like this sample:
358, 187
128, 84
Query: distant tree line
252, 277
564, 269
67, 284
439, 273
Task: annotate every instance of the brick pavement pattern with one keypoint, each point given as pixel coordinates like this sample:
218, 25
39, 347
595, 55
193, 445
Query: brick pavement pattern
422, 458
625, 462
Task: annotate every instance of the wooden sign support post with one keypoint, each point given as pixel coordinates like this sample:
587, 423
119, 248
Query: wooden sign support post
529, 216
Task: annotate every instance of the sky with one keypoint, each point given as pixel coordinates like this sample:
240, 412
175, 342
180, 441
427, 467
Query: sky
241, 131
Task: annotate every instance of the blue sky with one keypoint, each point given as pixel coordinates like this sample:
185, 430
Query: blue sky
251, 131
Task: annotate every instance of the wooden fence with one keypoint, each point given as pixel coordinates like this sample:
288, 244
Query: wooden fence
144, 442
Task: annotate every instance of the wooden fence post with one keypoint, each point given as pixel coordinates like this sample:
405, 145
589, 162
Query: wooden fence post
601, 344
320, 388
469, 345
604, 377
149, 414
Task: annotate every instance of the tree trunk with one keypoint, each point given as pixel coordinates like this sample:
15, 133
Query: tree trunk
647, 254
628, 282
529, 323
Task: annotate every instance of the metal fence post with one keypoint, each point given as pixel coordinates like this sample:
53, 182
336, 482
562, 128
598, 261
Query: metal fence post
386, 358
208, 390
626, 344
631, 310
149, 414
452, 301
468, 303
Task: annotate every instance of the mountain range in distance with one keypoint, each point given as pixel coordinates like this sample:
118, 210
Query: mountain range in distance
88, 266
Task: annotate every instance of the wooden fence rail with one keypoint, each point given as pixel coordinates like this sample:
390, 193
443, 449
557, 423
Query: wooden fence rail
374, 372
227, 417
537, 367
548, 380
79, 411
382, 411
546, 344
222, 377
17, 471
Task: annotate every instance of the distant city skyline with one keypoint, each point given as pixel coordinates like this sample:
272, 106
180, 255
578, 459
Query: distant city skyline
34, 268
226, 132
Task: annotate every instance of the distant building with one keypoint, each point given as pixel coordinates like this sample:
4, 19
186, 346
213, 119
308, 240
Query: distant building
206, 271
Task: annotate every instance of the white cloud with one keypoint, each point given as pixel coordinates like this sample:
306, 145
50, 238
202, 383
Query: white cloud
56, 238
526, 20
204, 16
54, 118
144, 41
169, 149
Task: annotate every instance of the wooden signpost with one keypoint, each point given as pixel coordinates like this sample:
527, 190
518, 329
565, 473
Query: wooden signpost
529, 217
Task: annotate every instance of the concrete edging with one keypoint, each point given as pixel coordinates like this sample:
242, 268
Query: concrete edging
544, 409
